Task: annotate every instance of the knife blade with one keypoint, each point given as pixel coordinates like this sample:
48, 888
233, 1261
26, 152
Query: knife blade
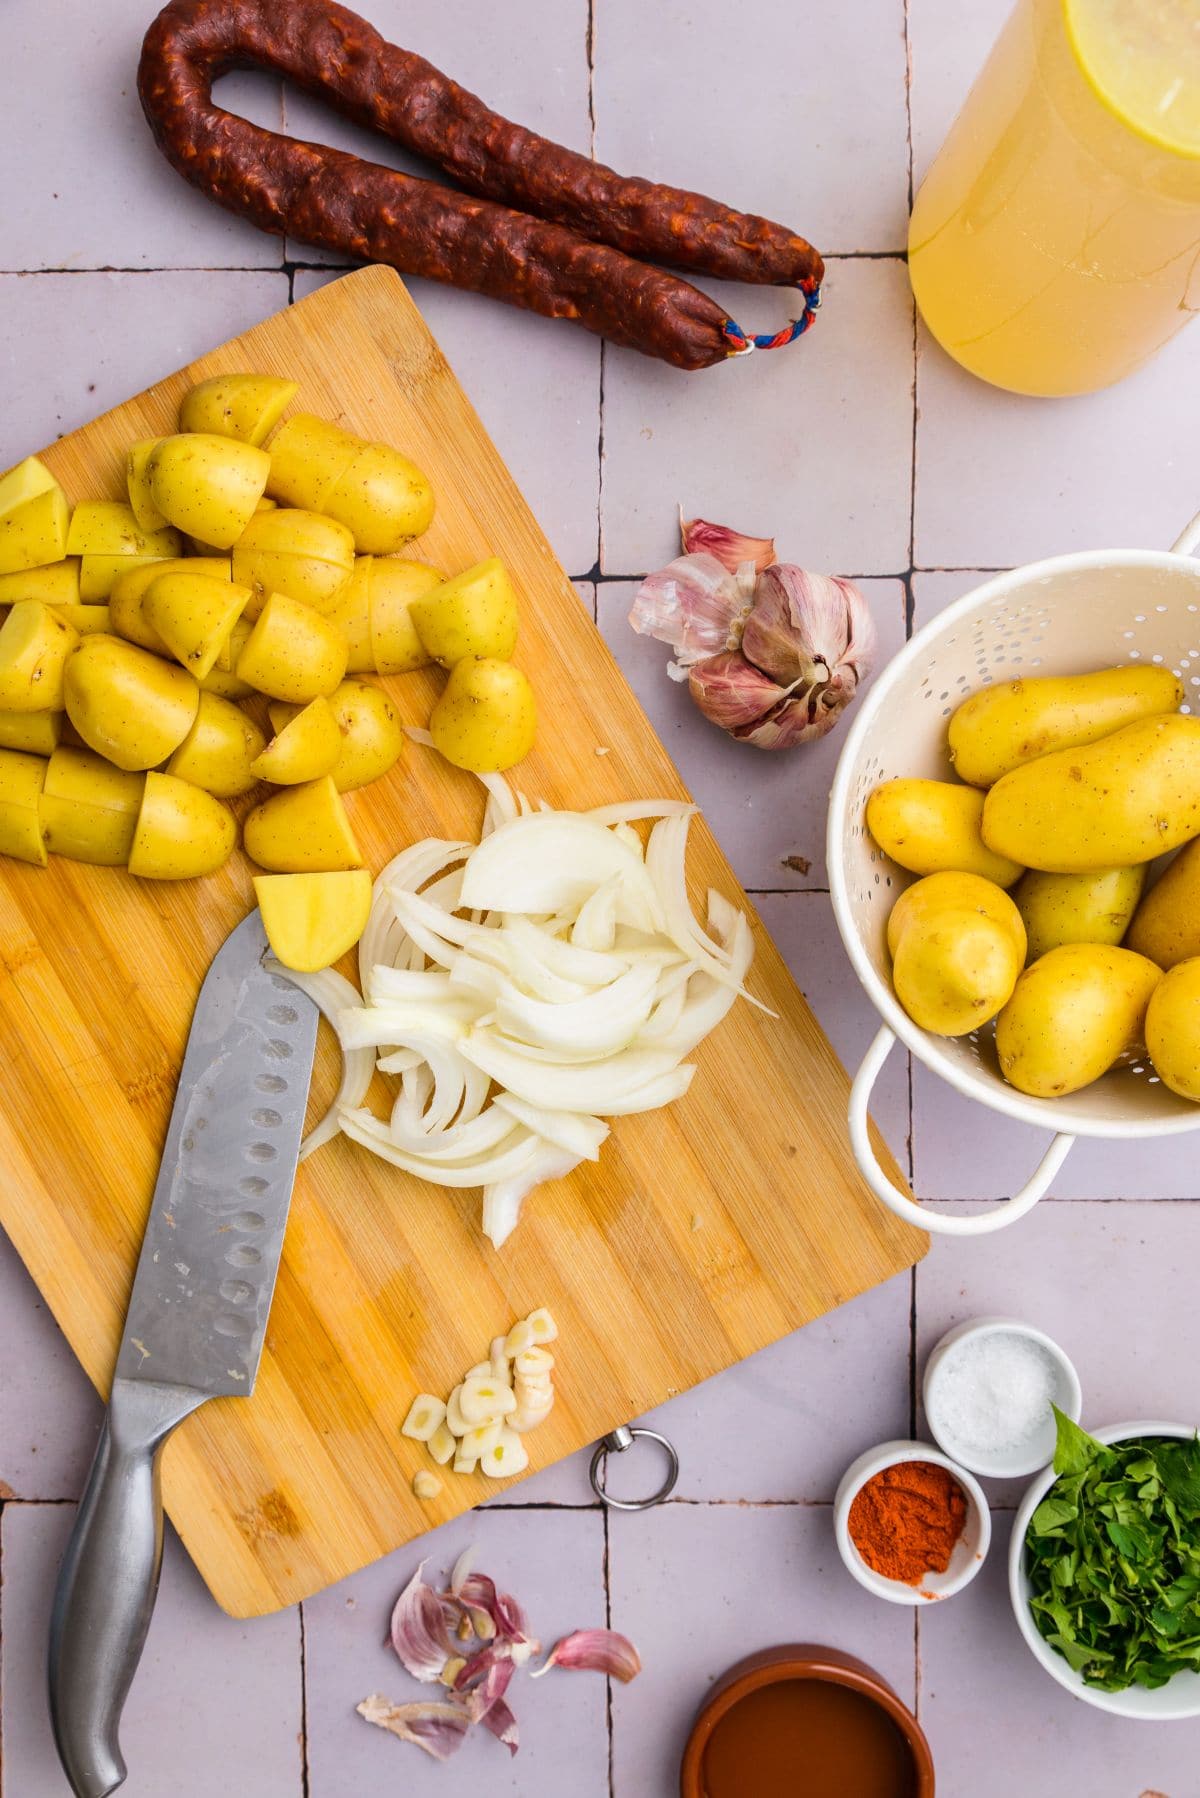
194, 1328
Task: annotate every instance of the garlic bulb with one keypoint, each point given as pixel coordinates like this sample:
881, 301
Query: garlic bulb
770, 652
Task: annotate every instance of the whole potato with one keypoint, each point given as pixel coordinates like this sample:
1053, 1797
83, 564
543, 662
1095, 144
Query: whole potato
35, 645
57, 584
292, 652
207, 486
34, 518
932, 827
307, 746
954, 892
1166, 925
475, 614
377, 493
37, 733
954, 969
1003, 726
1129, 797
21, 779
1072, 1014
1173, 1028
486, 718
302, 830
244, 406
1078, 908
218, 751
89, 808
182, 831
299, 553
372, 739
126, 704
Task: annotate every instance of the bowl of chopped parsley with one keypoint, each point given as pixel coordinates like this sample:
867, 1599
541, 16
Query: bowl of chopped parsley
1104, 1567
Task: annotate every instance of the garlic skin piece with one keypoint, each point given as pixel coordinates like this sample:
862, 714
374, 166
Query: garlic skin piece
729, 547
695, 605
809, 629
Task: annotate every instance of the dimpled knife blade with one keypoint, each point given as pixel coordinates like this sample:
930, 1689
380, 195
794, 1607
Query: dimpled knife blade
202, 1292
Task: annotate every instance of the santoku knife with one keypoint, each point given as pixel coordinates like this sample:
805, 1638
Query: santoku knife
194, 1330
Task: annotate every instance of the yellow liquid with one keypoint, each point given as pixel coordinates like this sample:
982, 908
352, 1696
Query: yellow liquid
1055, 243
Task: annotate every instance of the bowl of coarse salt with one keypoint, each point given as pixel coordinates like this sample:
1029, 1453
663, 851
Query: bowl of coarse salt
989, 1388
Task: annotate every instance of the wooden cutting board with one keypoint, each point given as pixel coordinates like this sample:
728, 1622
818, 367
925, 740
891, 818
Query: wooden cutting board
703, 1233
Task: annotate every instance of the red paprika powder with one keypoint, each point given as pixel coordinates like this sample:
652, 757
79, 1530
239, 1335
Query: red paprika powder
905, 1521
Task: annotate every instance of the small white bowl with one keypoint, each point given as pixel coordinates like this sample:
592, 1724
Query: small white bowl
1038, 1449
1180, 1697
969, 1550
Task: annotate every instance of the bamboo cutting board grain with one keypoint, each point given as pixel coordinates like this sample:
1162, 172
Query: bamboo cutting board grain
703, 1233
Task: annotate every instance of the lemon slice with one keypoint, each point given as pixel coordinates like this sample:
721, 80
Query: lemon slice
1143, 59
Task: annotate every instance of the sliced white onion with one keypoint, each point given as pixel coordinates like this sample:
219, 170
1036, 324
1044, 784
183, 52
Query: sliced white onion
598, 1024
575, 1131
332, 993
545, 863
502, 1199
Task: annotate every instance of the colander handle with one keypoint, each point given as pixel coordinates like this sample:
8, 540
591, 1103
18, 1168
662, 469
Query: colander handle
1188, 541
938, 1223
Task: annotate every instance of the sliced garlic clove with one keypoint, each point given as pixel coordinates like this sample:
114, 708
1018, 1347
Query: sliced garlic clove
426, 1484
506, 1457
543, 1325
481, 1400
456, 1423
528, 1417
519, 1338
528, 1385
464, 1462
499, 1360
482, 1370
534, 1360
478, 1441
441, 1444
452, 1669
424, 1417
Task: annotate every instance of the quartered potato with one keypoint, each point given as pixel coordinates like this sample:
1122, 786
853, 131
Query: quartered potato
247, 407
207, 486
21, 778
292, 652
193, 615
475, 614
372, 736
299, 553
377, 493
219, 750
34, 517
307, 746
486, 718
312, 919
38, 733
182, 831
126, 704
89, 808
35, 646
302, 830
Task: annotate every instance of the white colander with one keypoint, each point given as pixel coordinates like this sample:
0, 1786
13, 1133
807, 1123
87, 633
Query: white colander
1062, 616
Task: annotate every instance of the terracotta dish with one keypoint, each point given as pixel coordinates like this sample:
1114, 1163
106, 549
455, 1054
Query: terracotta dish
804, 1707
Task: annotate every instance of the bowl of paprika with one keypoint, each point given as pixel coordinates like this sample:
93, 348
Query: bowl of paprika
911, 1524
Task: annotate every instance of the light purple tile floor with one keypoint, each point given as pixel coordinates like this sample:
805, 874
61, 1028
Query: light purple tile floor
866, 452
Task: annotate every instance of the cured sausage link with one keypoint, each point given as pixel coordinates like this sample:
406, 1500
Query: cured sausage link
559, 247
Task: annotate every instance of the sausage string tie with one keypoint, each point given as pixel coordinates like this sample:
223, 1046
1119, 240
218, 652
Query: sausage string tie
741, 345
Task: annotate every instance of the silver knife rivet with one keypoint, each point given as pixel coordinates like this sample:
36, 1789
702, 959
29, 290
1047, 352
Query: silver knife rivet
265, 1118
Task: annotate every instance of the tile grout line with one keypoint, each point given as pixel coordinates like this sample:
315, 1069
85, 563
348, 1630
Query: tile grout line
608, 1689
305, 1777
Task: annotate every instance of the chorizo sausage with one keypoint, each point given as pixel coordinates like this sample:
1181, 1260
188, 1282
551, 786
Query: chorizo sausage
537, 225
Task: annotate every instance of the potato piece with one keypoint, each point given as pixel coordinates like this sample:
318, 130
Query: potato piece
954, 892
247, 407
1173, 1029
109, 542
218, 751
475, 614
37, 733
311, 920
126, 704
1126, 799
1166, 925
207, 485
220, 679
35, 645
89, 808
182, 831
486, 719
933, 827
196, 546
299, 553
292, 652
1072, 1013
137, 483
382, 497
954, 969
351, 613
302, 830
307, 747
127, 601
371, 733
394, 584
21, 778
84, 620
193, 614
1078, 908
34, 517
55, 584
1003, 726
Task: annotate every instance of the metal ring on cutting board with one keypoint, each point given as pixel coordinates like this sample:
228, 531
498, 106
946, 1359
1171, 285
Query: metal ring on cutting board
618, 1440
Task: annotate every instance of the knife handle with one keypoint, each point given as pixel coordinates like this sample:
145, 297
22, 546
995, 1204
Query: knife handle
108, 1582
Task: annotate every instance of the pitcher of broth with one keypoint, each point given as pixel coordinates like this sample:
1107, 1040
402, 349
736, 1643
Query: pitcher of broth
1055, 243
